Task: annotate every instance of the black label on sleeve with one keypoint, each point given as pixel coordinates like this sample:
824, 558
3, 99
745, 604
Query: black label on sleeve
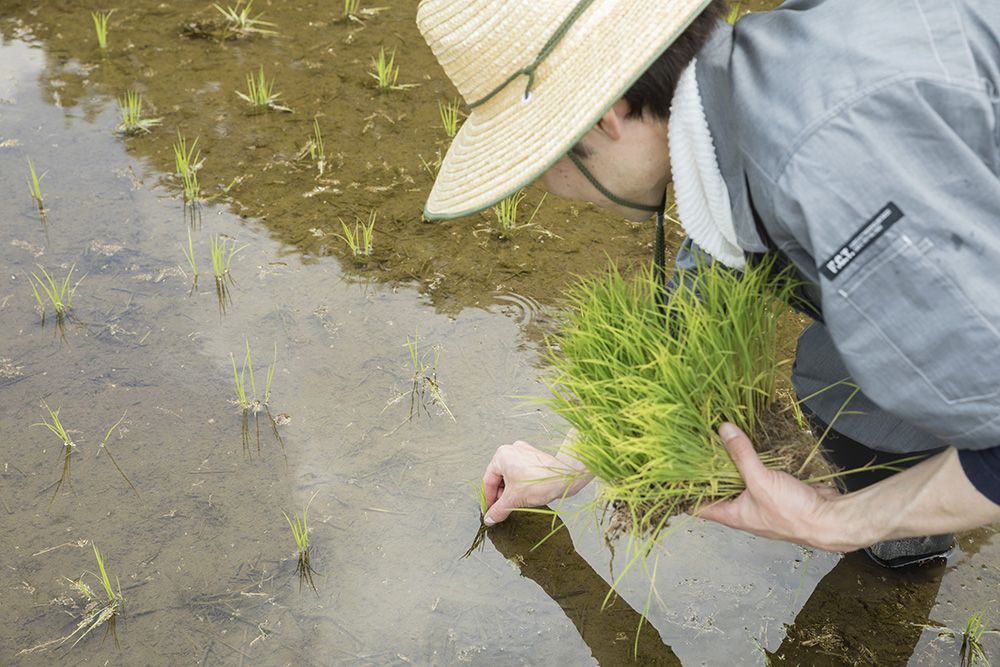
863, 238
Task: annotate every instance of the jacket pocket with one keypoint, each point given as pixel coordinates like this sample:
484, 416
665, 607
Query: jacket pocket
934, 328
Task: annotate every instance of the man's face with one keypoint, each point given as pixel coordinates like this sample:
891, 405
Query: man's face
628, 156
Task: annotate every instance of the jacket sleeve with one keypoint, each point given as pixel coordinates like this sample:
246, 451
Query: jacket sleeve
896, 199
982, 467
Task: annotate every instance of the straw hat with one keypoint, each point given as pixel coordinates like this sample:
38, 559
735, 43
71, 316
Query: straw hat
588, 53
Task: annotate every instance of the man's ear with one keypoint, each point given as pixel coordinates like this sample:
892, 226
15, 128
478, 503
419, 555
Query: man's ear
613, 119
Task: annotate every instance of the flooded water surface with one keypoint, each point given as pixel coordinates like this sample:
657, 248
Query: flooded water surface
376, 388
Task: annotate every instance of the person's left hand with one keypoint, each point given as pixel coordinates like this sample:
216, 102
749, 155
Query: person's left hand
775, 504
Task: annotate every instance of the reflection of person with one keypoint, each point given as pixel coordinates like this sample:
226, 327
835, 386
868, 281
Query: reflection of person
860, 614
858, 140
543, 551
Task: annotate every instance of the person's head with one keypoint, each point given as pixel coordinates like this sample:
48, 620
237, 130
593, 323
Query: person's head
542, 78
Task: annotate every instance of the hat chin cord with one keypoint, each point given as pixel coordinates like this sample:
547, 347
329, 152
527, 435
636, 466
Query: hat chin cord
659, 247
607, 193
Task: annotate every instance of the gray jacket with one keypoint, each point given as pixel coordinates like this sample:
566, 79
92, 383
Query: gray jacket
869, 135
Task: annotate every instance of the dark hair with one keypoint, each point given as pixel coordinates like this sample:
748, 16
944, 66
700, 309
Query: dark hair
654, 90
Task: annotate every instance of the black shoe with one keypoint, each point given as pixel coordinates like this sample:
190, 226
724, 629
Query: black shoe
910, 550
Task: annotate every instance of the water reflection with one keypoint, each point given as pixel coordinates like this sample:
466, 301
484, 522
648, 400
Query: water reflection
609, 631
862, 614
858, 614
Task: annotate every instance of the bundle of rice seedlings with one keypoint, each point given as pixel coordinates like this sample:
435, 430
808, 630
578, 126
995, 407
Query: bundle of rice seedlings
646, 387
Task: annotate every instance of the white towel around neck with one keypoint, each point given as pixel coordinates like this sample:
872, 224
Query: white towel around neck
702, 197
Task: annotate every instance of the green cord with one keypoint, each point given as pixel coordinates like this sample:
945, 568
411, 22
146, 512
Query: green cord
604, 191
542, 55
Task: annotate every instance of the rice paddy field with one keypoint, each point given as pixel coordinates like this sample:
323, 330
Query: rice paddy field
218, 287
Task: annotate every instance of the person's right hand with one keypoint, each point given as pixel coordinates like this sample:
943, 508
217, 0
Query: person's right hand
523, 476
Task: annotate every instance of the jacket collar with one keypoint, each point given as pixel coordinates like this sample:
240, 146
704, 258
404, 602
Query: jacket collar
714, 84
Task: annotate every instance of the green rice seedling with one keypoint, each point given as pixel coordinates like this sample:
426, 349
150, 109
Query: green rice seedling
424, 379
97, 612
972, 649
245, 404
449, 116
104, 447
34, 187
316, 150
222, 255
130, 108
189, 255
260, 93
646, 392
387, 72
972, 652
59, 295
300, 530
479, 495
187, 162
241, 394
359, 240
351, 8
355, 12
239, 23
432, 168
506, 212
68, 447
101, 25
253, 404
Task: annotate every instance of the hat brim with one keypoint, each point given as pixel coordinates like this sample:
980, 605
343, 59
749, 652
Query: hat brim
509, 141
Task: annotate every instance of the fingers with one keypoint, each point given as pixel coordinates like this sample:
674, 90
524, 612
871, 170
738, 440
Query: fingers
520, 475
497, 513
742, 452
494, 482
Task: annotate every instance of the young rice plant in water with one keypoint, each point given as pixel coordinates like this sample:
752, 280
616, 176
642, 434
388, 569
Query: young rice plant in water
646, 390
239, 23
359, 240
222, 255
96, 611
68, 446
972, 649
101, 26
60, 295
130, 108
300, 530
189, 255
260, 93
251, 403
424, 379
506, 212
34, 186
187, 164
353, 11
351, 8
449, 116
316, 150
386, 72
